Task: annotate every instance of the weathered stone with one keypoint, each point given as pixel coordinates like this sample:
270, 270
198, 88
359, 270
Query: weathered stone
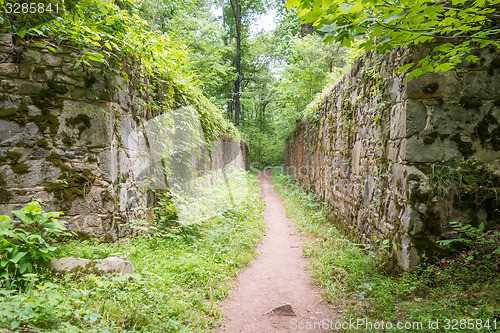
43, 75
41, 173
283, 310
109, 265
9, 69
31, 56
482, 85
78, 93
98, 85
416, 117
72, 71
67, 80
52, 59
6, 39
432, 85
397, 124
83, 124
29, 88
12, 133
376, 181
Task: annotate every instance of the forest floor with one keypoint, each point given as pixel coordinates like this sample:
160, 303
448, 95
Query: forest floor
275, 292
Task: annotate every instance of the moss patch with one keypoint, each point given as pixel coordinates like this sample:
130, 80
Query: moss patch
470, 102
46, 100
465, 148
81, 121
20, 168
4, 194
431, 88
71, 184
430, 138
42, 143
17, 115
13, 155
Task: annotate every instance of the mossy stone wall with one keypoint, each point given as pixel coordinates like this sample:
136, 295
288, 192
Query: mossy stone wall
375, 146
75, 139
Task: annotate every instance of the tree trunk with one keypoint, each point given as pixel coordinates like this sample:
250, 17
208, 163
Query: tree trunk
236, 7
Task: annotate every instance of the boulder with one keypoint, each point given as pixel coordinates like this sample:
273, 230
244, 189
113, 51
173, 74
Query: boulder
99, 267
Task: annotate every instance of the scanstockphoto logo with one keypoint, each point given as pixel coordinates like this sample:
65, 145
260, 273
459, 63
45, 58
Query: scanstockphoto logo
204, 178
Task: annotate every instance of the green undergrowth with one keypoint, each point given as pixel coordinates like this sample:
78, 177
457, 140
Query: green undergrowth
179, 280
463, 287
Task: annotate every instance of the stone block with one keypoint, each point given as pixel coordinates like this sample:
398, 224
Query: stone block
51, 59
98, 85
482, 85
29, 88
408, 258
61, 78
6, 40
41, 173
109, 265
450, 119
84, 125
439, 150
12, 133
397, 125
78, 93
9, 69
42, 75
416, 117
434, 85
31, 56
72, 71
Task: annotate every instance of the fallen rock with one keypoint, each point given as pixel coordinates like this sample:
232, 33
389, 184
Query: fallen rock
283, 310
98, 267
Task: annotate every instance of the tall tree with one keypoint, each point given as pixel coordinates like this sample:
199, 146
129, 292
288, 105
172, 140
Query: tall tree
237, 16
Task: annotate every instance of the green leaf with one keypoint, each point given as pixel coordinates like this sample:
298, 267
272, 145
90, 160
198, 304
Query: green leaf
17, 257
414, 74
22, 32
404, 68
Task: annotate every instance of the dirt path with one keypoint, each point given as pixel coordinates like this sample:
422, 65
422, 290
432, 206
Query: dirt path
276, 277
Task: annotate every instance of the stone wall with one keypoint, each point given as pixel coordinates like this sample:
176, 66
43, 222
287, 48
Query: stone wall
382, 152
77, 140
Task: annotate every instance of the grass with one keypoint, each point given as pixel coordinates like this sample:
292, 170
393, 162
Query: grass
179, 280
454, 288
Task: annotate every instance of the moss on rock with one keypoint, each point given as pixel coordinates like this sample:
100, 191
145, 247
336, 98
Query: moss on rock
17, 115
42, 143
71, 184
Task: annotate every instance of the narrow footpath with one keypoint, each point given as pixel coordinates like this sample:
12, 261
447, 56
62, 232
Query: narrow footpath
275, 280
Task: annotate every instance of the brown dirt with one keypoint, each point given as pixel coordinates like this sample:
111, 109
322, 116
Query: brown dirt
276, 277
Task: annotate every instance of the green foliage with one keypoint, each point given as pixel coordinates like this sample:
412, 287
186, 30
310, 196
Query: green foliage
467, 183
115, 35
457, 26
467, 234
453, 288
22, 250
179, 280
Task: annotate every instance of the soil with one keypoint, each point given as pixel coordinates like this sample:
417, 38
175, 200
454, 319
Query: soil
276, 280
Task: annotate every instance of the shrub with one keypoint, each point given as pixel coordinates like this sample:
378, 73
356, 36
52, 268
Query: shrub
22, 250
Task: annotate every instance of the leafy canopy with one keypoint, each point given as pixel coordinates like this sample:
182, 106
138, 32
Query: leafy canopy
456, 26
